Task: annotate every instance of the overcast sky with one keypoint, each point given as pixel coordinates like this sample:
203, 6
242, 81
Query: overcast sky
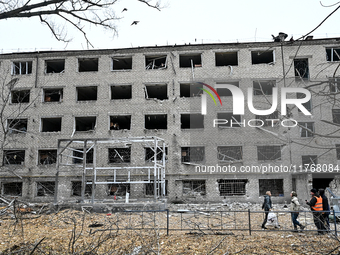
184, 21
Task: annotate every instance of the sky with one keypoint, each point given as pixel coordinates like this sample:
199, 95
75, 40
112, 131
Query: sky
183, 22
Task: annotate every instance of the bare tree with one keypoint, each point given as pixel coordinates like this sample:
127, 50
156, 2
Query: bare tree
72, 13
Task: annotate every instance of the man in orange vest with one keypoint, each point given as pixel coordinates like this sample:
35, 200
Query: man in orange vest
316, 206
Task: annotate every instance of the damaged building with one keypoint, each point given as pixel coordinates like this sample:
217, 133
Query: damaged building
117, 94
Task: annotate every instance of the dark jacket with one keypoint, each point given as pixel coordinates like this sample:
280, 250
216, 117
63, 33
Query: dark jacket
267, 203
325, 204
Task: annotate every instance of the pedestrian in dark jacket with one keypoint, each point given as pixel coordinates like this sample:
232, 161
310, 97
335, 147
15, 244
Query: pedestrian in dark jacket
325, 207
316, 206
266, 206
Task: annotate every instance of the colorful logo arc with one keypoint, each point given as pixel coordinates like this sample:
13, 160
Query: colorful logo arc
209, 93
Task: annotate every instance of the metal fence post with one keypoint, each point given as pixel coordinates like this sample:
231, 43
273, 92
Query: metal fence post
249, 222
167, 222
334, 216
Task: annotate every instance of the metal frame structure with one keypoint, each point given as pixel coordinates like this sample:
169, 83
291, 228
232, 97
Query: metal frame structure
67, 146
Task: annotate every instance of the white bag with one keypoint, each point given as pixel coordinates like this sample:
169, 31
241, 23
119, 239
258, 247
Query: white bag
272, 220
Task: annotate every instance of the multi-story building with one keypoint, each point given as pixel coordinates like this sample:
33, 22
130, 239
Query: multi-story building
157, 92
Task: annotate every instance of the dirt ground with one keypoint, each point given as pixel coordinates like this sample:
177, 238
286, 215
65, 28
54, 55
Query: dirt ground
24, 231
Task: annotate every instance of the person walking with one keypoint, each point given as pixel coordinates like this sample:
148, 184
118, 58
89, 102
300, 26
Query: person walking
295, 208
316, 206
266, 206
325, 208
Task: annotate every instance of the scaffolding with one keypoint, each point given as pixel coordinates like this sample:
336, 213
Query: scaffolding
82, 154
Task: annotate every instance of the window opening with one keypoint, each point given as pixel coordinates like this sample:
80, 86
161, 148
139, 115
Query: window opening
224, 92
87, 93
307, 105
275, 186
226, 58
301, 68
263, 87
12, 189
78, 156
118, 189
333, 54
85, 123
120, 155
53, 95
150, 154
16, 126
158, 91
120, 122
334, 84
156, 62
192, 188
336, 115
14, 157
306, 129
24, 67
232, 187
309, 160
337, 147
192, 60
230, 119
229, 153
50, 124
76, 189
122, 63
149, 188
88, 64
47, 157
121, 92
45, 189
271, 120
55, 66
159, 121
192, 154
269, 152
262, 57
190, 90
20, 96
192, 121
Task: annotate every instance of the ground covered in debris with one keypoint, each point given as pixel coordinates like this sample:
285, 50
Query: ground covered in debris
42, 230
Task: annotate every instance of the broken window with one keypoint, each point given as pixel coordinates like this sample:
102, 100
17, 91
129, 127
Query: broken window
232, 187
301, 68
270, 120
24, 67
337, 147
226, 58
192, 121
87, 93
156, 62
88, 64
190, 60
262, 57
47, 157
45, 189
224, 92
190, 90
333, 54
334, 84
53, 95
263, 87
336, 115
85, 123
192, 154
12, 189
307, 105
121, 92
78, 156
309, 160
76, 189
229, 153
121, 63
50, 124
157, 121
149, 188
120, 122
16, 126
158, 91
14, 157
269, 152
150, 154
120, 155
119, 189
55, 66
20, 96
306, 129
194, 187
228, 119
275, 186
